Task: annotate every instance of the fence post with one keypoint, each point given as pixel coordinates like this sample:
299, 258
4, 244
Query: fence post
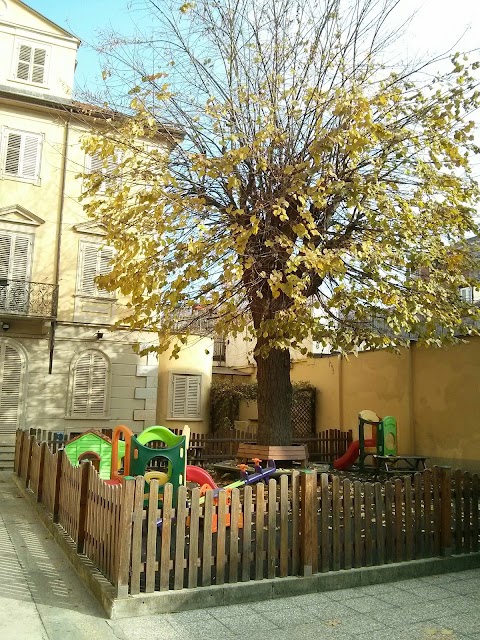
446, 511
86, 468
308, 511
125, 538
20, 454
58, 479
41, 467
29, 461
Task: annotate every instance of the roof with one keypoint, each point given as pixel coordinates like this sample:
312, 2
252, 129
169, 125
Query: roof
228, 371
90, 432
54, 24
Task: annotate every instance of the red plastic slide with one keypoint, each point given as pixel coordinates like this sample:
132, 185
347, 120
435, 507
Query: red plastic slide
200, 476
351, 454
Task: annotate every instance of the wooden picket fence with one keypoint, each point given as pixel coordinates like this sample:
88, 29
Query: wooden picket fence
205, 449
299, 525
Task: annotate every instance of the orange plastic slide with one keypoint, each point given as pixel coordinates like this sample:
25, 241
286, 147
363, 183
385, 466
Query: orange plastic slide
351, 454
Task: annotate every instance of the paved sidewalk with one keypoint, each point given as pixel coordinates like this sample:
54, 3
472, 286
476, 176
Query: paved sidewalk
41, 598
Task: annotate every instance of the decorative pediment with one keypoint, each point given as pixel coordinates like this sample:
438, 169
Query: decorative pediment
15, 214
91, 228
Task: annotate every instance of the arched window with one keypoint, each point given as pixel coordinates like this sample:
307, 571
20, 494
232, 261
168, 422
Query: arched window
89, 385
13, 366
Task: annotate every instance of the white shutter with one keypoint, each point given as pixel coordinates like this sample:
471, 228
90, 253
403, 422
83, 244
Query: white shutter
5, 253
11, 387
24, 60
104, 258
15, 261
30, 157
94, 261
38, 66
95, 164
12, 160
179, 393
193, 397
81, 376
88, 268
185, 396
90, 386
98, 385
31, 63
22, 158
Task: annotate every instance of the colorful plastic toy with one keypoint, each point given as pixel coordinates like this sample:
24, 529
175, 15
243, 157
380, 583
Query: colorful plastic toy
138, 455
97, 448
384, 440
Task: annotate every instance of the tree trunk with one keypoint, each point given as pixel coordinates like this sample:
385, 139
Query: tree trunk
274, 398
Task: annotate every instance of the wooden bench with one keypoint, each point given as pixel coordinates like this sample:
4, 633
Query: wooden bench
297, 452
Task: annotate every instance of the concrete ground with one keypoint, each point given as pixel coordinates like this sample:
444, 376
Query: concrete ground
41, 598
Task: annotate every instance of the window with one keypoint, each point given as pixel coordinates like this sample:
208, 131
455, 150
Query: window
466, 294
94, 260
31, 63
12, 383
22, 152
15, 262
185, 396
89, 385
96, 164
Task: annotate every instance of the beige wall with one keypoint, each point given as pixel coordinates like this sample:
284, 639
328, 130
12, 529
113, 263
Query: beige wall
195, 357
19, 23
433, 393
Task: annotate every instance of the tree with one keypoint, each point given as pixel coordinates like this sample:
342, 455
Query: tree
320, 190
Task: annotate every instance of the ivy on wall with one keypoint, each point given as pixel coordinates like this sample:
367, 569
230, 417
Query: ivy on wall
225, 399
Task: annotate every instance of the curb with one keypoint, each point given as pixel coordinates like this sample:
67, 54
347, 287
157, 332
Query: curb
241, 592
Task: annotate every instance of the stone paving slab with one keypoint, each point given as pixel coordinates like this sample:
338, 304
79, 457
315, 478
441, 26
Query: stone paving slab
42, 599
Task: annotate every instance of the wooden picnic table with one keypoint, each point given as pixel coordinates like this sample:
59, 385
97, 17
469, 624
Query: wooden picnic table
395, 464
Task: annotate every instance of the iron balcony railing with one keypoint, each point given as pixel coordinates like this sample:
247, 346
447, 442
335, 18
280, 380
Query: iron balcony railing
25, 298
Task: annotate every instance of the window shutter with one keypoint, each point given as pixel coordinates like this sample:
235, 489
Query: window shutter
30, 158
104, 267
185, 400
88, 273
5, 253
90, 386
193, 397
12, 162
98, 385
38, 68
10, 389
24, 58
15, 260
179, 392
21, 258
31, 64
80, 386
94, 261
95, 164
22, 158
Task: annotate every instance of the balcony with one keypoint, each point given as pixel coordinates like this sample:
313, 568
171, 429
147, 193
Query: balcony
28, 299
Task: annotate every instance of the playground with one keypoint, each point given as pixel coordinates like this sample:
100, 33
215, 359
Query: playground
159, 524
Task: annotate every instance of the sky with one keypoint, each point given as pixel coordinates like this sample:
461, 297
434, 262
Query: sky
437, 26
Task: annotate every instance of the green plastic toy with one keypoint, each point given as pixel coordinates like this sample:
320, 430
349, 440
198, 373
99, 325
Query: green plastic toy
97, 448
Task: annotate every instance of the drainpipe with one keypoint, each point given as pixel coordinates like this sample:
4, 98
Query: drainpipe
58, 239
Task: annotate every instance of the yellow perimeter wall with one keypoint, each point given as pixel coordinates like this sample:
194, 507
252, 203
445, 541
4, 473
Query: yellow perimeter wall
433, 393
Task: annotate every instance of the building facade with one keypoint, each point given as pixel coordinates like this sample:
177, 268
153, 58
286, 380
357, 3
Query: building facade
63, 366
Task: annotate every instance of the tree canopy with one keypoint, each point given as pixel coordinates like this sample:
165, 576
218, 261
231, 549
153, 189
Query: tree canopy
323, 188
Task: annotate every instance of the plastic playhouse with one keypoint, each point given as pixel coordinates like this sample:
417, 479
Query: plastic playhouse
382, 440
95, 447
132, 456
